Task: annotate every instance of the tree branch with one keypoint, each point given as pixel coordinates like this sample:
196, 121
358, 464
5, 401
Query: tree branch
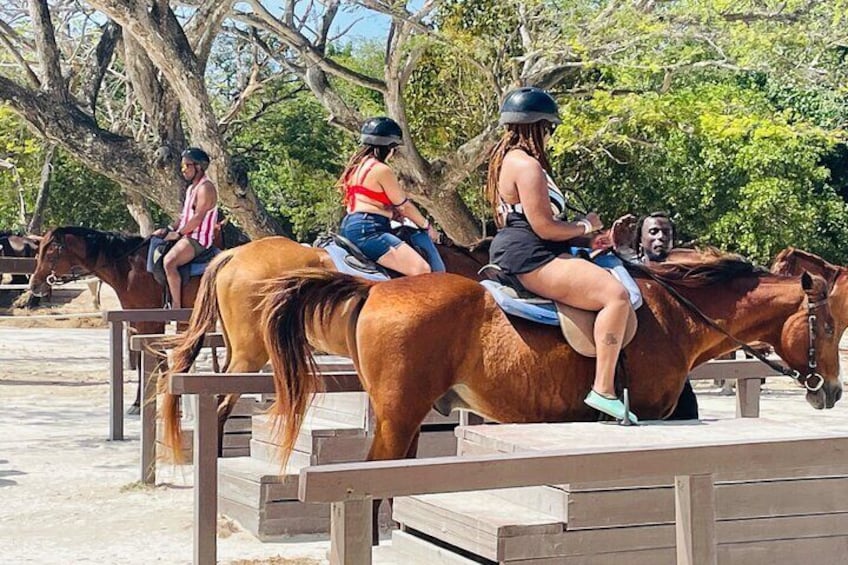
31, 77
48, 53
111, 34
263, 19
204, 27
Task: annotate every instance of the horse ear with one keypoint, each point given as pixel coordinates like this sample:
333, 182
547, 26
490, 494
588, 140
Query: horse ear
806, 281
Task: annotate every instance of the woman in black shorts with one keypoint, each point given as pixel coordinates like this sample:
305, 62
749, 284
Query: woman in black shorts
532, 242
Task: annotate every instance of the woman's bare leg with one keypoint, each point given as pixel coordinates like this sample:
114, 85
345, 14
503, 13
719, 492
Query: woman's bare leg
404, 259
584, 285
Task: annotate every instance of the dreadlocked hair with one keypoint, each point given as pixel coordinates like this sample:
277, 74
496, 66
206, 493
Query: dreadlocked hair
379, 152
528, 137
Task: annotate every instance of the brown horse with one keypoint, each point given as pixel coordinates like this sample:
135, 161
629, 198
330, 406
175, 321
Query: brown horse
415, 339
792, 261
118, 260
230, 290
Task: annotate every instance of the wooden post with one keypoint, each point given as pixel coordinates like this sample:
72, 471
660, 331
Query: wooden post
149, 367
370, 417
469, 418
206, 480
694, 497
350, 532
748, 398
116, 380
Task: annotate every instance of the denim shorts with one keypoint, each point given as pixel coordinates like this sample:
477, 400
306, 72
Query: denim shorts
371, 233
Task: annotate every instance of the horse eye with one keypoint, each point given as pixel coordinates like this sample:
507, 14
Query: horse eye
828, 329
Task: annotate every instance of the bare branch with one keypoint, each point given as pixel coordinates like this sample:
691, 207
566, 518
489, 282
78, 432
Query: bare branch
48, 53
111, 34
205, 25
31, 77
263, 19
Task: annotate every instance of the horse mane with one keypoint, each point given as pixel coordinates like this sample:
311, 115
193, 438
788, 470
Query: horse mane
112, 245
786, 259
702, 268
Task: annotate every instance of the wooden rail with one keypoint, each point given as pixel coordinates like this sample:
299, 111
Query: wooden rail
207, 385
351, 487
205, 447
17, 265
116, 320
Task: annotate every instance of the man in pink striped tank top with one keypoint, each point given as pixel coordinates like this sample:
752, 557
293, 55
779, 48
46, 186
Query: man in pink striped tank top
196, 226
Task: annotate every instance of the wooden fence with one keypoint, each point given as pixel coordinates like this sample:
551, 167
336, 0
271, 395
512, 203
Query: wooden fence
350, 488
747, 373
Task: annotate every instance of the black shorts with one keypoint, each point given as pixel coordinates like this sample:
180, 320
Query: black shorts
517, 249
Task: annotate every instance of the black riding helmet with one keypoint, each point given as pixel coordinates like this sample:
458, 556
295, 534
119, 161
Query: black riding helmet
381, 131
197, 156
529, 105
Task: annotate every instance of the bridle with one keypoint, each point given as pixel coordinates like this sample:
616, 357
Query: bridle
56, 280
812, 364
53, 279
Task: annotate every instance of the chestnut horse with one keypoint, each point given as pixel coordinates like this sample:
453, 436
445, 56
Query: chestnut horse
230, 289
415, 339
792, 261
119, 260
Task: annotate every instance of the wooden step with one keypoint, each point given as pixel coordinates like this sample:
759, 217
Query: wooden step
488, 526
278, 521
407, 549
473, 521
249, 481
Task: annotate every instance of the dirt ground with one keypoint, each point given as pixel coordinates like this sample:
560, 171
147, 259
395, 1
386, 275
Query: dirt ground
67, 495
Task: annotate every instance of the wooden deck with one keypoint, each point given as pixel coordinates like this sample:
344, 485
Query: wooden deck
761, 518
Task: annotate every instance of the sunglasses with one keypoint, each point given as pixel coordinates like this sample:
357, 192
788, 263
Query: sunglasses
185, 166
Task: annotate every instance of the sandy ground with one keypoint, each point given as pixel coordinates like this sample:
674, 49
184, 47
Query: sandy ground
67, 495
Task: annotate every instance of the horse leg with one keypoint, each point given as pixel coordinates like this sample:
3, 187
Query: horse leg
411, 453
395, 438
244, 356
226, 404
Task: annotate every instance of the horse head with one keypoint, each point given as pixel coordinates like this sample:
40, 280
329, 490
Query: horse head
809, 343
62, 253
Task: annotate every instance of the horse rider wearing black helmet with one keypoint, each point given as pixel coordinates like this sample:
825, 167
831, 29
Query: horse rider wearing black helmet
373, 197
532, 241
196, 226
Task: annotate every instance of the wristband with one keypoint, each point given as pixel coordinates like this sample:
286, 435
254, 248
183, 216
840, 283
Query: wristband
587, 225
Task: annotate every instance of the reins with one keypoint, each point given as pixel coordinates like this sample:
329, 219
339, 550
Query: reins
812, 364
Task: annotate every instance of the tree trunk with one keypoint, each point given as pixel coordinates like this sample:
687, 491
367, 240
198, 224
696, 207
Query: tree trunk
138, 209
37, 219
453, 216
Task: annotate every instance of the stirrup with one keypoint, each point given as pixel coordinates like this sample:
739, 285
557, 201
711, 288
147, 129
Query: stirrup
610, 406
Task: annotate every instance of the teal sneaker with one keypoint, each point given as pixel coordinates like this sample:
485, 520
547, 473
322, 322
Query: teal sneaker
609, 406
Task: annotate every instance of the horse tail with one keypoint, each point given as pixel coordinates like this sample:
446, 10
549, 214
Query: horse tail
292, 305
187, 346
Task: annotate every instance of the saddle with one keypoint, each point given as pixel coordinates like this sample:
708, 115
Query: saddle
577, 325
348, 258
156, 261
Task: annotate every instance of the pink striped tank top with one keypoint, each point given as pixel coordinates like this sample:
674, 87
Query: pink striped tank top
204, 233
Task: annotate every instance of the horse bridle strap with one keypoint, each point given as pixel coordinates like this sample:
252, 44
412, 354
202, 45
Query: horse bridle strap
53, 280
786, 371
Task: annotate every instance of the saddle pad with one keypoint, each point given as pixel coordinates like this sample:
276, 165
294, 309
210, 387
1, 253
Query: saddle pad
338, 255
535, 310
578, 328
193, 269
577, 325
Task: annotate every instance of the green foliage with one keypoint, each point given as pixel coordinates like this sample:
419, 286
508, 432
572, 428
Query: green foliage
294, 158
77, 196
735, 171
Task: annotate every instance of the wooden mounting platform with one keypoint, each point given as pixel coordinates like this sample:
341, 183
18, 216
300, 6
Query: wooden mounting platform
760, 519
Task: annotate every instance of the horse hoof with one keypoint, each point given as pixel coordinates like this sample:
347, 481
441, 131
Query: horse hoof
134, 410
